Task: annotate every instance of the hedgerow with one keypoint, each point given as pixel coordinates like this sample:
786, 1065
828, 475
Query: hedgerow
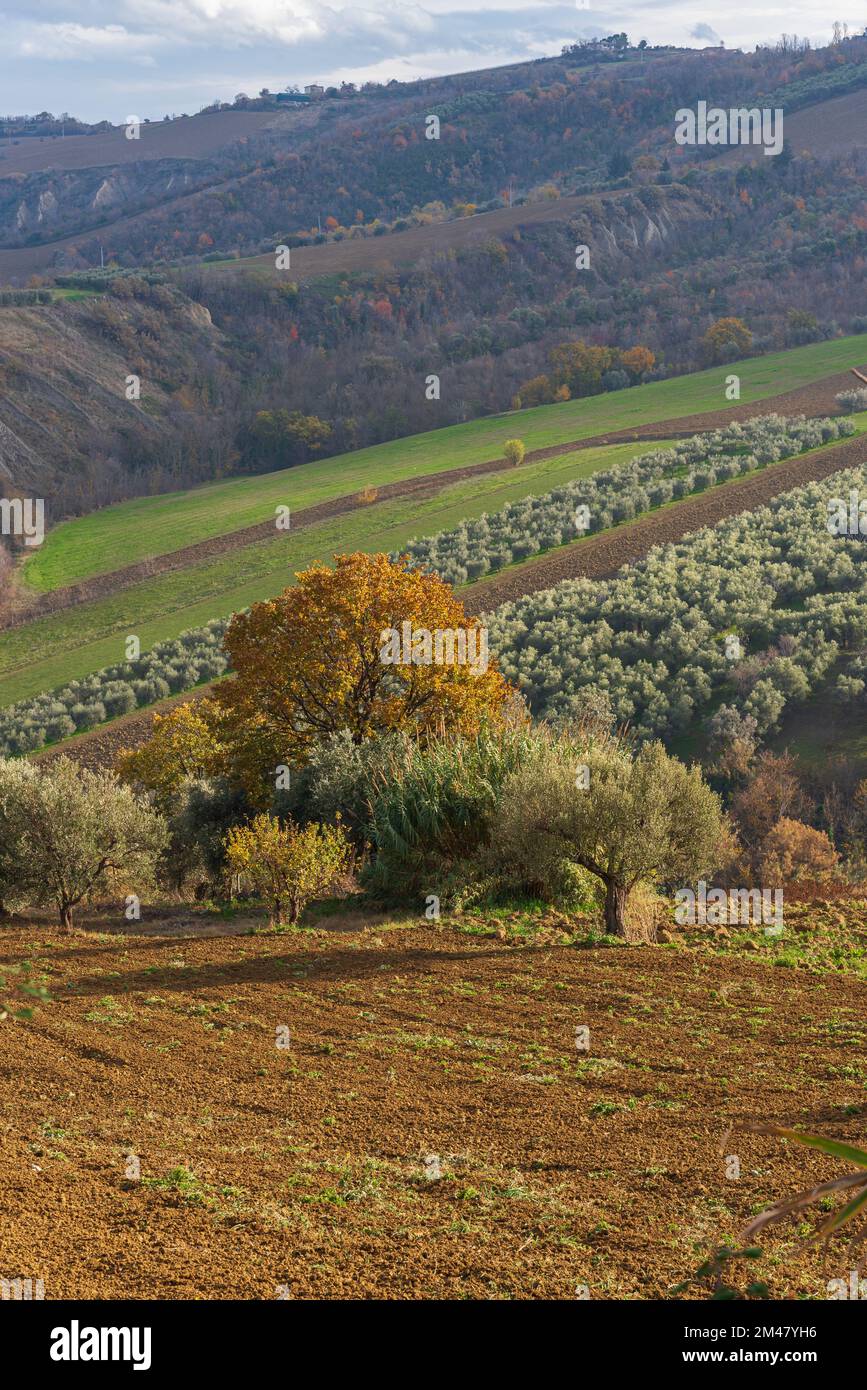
167, 669
534, 524
754, 612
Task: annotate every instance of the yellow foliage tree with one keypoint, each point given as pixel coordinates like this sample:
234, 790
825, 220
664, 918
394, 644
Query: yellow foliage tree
727, 338
345, 649
537, 391
285, 866
792, 851
186, 742
638, 360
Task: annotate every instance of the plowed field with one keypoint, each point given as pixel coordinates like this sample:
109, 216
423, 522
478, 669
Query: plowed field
264, 1171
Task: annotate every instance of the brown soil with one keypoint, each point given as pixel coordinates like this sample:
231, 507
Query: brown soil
829, 128
307, 1163
193, 138
19, 606
600, 557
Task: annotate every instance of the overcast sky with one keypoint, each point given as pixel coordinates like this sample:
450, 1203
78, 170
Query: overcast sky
115, 58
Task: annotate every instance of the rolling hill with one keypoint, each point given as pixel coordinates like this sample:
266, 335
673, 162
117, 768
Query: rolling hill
49, 650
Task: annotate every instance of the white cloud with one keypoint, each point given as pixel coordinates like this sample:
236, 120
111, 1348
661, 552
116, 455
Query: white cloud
79, 54
73, 42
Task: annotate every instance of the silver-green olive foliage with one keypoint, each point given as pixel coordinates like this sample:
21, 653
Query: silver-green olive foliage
68, 834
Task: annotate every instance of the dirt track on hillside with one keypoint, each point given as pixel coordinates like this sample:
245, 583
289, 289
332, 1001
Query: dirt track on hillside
20, 607
330, 258
302, 1168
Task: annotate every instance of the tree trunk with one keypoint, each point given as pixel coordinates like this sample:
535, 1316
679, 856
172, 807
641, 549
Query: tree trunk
616, 897
66, 917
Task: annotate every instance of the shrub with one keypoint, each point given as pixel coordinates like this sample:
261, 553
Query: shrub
432, 811
206, 810
514, 451
341, 781
793, 851
286, 866
855, 399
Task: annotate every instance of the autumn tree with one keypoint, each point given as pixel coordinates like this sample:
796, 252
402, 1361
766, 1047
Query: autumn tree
792, 851
538, 391
726, 339
188, 742
514, 451
280, 437
638, 361
774, 791
356, 647
286, 866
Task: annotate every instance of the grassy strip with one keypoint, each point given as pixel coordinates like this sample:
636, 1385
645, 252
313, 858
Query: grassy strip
64, 646
116, 536
384, 528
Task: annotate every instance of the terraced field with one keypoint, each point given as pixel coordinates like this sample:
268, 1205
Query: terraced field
71, 643
225, 567
602, 555
800, 381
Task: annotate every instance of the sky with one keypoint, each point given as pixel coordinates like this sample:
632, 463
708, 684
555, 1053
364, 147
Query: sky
110, 59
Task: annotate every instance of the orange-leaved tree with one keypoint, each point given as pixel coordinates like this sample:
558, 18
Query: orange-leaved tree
189, 741
368, 646
727, 338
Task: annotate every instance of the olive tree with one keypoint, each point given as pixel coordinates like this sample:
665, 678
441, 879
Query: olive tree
627, 819
68, 833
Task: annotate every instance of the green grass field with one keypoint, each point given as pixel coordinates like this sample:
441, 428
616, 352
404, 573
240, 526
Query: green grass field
821, 729
65, 646
117, 536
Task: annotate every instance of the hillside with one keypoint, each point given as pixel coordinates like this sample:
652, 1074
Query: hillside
189, 137
801, 380
411, 258
74, 630
64, 403
484, 302
433, 716
500, 126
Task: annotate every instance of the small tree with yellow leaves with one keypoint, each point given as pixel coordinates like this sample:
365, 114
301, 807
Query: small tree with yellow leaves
286, 866
186, 742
